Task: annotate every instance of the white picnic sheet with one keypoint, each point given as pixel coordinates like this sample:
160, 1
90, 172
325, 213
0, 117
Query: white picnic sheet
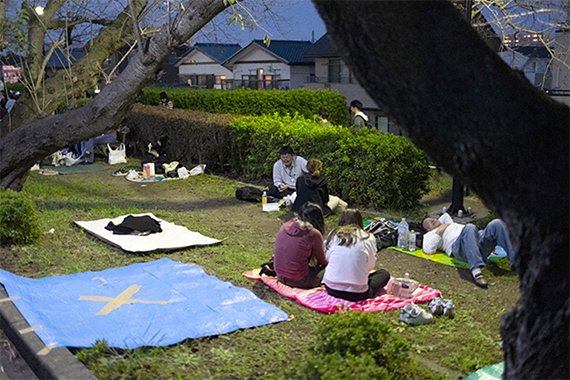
171, 237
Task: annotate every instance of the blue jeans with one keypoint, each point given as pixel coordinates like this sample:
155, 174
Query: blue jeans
475, 246
87, 147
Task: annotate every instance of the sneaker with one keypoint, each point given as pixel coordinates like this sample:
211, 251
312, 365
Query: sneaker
412, 314
436, 307
480, 281
448, 309
120, 173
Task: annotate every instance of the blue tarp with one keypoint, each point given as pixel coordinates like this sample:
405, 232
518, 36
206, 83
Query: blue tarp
149, 304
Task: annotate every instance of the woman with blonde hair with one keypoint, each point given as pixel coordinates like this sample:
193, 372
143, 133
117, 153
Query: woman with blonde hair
351, 255
313, 187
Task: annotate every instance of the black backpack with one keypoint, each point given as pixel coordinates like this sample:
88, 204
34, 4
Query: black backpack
249, 193
385, 232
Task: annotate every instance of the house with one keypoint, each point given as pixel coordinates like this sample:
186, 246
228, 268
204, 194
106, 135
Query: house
560, 86
533, 61
201, 66
333, 74
281, 65
60, 59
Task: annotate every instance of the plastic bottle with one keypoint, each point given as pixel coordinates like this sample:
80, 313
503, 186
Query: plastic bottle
405, 291
264, 197
403, 230
412, 241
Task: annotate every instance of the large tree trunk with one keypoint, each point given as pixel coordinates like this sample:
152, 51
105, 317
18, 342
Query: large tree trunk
487, 125
20, 149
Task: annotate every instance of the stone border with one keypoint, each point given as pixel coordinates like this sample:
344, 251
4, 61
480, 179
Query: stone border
46, 362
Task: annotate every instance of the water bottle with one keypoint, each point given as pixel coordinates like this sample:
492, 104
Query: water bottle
412, 241
460, 213
469, 210
405, 291
264, 197
403, 230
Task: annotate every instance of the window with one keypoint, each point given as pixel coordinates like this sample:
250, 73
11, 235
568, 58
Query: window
338, 72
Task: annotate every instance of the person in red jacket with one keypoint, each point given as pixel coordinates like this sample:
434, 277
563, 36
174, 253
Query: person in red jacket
299, 242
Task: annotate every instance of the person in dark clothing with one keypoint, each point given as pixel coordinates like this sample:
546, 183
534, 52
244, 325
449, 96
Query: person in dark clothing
157, 151
312, 187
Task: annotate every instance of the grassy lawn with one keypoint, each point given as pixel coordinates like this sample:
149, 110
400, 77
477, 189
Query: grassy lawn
444, 349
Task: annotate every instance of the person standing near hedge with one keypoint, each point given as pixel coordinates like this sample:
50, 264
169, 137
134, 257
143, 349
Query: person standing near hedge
351, 255
299, 242
285, 172
165, 101
323, 117
359, 118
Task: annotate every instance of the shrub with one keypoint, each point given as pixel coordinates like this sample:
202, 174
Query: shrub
255, 102
18, 218
372, 169
352, 345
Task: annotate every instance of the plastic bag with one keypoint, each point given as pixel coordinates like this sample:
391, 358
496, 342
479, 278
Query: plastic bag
183, 172
198, 170
117, 156
70, 159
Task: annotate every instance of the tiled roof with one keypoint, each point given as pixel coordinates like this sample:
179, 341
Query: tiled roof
533, 51
219, 52
324, 47
290, 51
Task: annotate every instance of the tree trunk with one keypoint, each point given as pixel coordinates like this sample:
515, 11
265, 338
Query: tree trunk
489, 127
456, 197
20, 149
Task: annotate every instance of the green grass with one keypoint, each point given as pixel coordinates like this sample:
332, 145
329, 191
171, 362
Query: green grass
206, 204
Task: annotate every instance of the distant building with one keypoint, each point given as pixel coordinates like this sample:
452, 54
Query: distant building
201, 66
11, 73
533, 61
281, 65
525, 39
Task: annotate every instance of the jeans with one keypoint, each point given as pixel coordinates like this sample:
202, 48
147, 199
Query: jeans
311, 280
475, 246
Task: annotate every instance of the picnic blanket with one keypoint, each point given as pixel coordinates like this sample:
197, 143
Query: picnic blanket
490, 372
78, 169
318, 299
157, 303
442, 258
135, 176
171, 237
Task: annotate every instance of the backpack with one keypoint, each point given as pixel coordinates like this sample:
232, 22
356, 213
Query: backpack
366, 123
249, 193
385, 232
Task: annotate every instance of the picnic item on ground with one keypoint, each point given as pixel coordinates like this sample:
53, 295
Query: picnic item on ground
385, 231
79, 169
404, 288
183, 173
120, 173
412, 314
490, 372
138, 225
442, 258
158, 303
117, 156
48, 172
318, 299
171, 237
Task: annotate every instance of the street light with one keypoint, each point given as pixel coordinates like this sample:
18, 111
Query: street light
39, 10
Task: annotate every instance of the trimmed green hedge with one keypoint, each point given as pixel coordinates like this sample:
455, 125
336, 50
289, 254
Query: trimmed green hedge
255, 102
364, 167
18, 218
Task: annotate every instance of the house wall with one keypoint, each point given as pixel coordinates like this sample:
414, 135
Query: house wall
299, 75
203, 65
560, 71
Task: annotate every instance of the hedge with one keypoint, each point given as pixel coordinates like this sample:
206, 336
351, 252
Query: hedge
18, 218
249, 102
364, 167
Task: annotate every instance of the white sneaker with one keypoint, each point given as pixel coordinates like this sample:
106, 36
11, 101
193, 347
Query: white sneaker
436, 307
448, 309
412, 314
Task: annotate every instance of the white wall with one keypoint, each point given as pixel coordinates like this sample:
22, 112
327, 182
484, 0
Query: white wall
299, 75
204, 66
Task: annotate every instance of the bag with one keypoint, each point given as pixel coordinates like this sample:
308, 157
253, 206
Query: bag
267, 269
394, 288
182, 172
385, 232
70, 159
117, 156
249, 193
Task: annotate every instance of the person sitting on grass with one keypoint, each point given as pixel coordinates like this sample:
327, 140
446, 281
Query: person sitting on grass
467, 243
299, 242
285, 172
313, 187
165, 101
351, 253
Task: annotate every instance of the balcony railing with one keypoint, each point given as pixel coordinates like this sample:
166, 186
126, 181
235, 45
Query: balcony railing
279, 84
341, 80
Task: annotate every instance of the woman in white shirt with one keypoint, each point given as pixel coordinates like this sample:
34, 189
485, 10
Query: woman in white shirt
350, 252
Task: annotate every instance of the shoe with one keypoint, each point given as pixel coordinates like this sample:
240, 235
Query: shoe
480, 281
436, 307
448, 309
120, 173
412, 314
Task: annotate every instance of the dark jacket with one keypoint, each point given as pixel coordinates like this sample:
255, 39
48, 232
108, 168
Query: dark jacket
313, 189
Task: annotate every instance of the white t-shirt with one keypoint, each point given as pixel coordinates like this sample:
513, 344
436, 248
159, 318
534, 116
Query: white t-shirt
348, 267
289, 175
433, 242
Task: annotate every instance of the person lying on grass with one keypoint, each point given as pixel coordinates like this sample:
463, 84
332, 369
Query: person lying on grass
466, 242
351, 253
298, 242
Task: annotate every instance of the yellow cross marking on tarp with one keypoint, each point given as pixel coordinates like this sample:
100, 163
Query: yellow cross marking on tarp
104, 281
120, 300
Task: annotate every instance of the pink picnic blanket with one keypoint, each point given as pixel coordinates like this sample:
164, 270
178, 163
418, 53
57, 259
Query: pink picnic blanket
319, 299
